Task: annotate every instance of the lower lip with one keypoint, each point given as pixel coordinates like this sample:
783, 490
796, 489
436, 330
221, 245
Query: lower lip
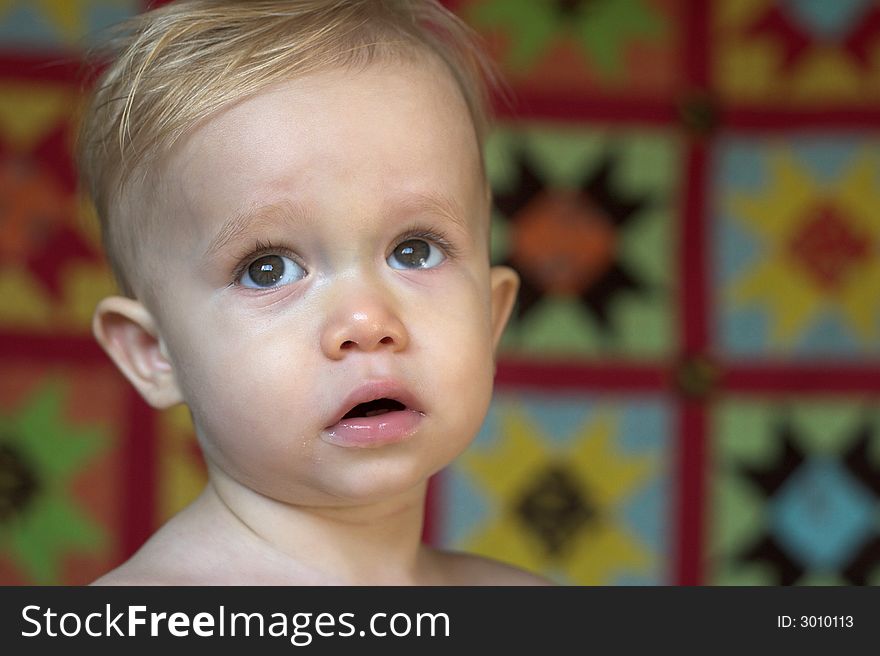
372, 432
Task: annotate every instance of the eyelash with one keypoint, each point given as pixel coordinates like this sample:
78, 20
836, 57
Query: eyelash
261, 248
428, 234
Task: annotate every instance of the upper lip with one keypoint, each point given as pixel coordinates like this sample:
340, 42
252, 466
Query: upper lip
371, 391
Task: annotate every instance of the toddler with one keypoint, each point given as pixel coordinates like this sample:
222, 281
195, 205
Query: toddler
293, 201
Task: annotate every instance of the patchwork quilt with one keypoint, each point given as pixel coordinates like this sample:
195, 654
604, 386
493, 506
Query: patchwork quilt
688, 391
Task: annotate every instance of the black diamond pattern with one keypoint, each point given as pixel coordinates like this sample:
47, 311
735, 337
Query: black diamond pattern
770, 479
554, 509
18, 485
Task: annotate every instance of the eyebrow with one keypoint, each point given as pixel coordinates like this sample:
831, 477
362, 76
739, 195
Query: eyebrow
295, 213
435, 203
241, 222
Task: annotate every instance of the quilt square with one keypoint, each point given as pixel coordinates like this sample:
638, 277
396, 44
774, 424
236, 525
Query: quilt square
617, 48
587, 216
52, 271
62, 434
795, 492
796, 246
569, 485
797, 54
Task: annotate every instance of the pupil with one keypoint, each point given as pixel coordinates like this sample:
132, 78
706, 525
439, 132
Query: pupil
267, 270
413, 253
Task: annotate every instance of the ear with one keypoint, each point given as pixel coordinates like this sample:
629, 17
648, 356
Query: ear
504, 283
127, 332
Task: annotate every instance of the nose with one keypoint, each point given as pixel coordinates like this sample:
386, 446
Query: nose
368, 325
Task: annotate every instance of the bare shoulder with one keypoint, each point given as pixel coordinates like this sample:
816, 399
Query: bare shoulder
468, 569
130, 575
174, 555
153, 565
185, 552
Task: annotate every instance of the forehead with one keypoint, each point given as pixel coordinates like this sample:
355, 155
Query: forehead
339, 140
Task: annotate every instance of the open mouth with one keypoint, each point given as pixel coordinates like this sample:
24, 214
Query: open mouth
374, 408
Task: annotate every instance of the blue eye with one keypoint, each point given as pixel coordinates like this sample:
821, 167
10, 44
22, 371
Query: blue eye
415, 254
268, 271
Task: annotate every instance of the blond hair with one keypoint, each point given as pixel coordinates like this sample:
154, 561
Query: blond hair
177, 65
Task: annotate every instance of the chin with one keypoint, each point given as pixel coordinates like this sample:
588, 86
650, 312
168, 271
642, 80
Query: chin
379, 481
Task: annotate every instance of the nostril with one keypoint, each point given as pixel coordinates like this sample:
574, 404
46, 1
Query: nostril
347, 344
386, 340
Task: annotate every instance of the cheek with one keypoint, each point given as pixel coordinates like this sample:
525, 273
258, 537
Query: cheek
464, 314
235, 354
458, 337
239, 381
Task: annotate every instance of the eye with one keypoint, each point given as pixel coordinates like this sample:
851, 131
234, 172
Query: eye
415, 254
268, 271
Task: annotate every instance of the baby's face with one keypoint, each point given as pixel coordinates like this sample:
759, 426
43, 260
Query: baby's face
325, 245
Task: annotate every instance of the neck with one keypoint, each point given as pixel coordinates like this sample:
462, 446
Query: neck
377, 543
